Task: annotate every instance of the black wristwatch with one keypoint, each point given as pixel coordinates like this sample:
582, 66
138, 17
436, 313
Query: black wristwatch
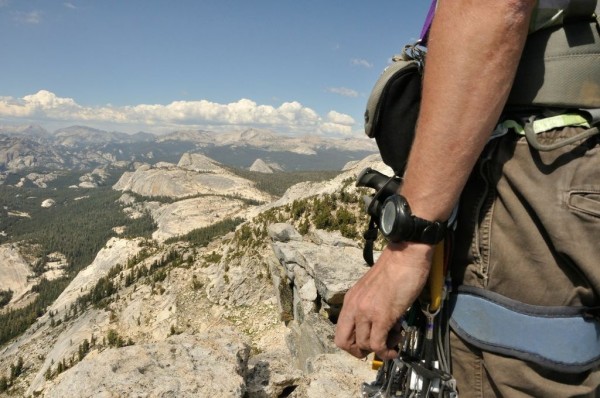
398, 224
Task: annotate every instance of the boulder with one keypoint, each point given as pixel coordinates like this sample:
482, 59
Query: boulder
312, 337
48, 203
282, 232
335, 238
271, 375
334, 269
335, 375
318, 272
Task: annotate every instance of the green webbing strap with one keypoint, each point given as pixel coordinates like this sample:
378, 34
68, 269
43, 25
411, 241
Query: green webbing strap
555, 122
531, 129
512, 125
548, 123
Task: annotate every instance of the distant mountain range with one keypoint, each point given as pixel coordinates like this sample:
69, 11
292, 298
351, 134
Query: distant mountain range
79, 147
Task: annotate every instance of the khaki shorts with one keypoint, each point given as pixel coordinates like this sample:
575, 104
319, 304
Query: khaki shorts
529, 229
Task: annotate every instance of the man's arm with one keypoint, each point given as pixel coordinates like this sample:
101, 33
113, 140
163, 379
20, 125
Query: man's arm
474, 50
473, 53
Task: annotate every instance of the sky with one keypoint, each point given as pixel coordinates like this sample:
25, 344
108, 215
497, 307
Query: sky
294, 67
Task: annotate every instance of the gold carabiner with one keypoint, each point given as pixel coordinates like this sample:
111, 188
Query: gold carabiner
436, 278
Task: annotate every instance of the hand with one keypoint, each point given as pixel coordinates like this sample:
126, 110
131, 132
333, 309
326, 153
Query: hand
372, 308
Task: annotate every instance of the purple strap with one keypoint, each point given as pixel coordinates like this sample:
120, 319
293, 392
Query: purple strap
427, 24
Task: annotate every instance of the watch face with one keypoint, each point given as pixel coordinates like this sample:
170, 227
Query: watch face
388, 217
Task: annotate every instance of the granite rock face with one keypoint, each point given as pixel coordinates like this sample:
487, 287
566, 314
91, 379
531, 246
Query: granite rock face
260, 166
181, 366
202, 193
181, 217
312, 275
193, 175
15, 272
333, 265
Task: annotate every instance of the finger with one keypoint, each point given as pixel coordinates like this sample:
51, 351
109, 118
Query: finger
379, 339
344, 331
347, 342
358, 352
363, 335
351, 347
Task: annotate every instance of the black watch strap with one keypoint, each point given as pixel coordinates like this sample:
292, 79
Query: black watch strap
430, 232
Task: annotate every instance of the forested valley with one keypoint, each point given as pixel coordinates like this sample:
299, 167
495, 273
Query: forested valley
81, 221
77, 225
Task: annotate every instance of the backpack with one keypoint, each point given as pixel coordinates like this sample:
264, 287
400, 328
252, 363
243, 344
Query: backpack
393, 107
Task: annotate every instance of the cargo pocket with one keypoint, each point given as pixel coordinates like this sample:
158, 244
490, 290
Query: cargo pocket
585, 201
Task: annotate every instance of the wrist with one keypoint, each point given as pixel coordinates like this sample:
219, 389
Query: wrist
419, 254
398, 223
429, 206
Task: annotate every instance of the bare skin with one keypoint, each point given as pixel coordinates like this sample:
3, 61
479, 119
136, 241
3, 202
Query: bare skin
462, 101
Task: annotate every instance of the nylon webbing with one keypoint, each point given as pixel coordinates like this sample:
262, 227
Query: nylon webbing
545, 124
566, 339
427, 25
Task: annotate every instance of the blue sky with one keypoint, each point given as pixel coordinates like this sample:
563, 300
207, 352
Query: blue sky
297, 67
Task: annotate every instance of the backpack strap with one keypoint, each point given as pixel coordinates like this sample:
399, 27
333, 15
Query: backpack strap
560, 67
427, 25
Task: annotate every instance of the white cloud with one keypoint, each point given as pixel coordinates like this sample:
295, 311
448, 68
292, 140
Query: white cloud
70, 5
289, 117
340, 118
361, 62
343, 91
33, 17
47, 100
338, 123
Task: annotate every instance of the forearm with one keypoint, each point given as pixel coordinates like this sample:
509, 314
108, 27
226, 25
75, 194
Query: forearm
467, 80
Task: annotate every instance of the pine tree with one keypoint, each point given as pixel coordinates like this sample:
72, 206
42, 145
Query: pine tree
84, 348
3, 384
16, 369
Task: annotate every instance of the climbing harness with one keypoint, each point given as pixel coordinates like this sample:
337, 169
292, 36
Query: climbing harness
514, 328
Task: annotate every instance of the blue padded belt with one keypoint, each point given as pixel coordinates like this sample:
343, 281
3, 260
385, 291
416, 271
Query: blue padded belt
565, 339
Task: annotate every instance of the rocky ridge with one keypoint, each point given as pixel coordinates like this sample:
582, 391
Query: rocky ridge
249, 315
